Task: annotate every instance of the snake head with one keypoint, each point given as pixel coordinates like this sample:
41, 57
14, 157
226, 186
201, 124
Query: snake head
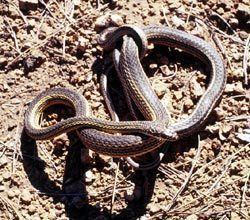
170, 135
161, 131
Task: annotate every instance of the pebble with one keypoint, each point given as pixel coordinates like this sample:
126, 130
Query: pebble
116, 20
10, 194
161, 197
177, 21
82, 44
27, 5
153, 66
178, 95
174, 5
6, 176
236, 87
198, 91
192, 217
26, 196
229, 88
234, 22
96, 104
2, 188
237, 56
160, 88
102, 22
189, 103
3, 61
89, 77
154, 208
3, 161
89, 176
31, 209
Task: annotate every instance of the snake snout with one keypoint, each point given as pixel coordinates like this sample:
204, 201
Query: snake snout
169, 135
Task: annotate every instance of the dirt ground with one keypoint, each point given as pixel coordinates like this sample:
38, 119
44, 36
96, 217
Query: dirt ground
53, 44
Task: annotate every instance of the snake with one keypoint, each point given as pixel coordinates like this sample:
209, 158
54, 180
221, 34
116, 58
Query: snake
138, 137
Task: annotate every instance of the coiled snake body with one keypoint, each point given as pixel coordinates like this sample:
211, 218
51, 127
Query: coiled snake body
139, 136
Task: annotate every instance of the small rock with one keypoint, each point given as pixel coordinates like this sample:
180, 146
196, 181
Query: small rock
6, 176
153, 66
226, 128
89, 176
3, 61
177, 21
102, 22
160, 88
174, 5
10, 194
96, 104
234, 22
178, 95
77, 2
188, 103
27, 5
26, 196
32, 209
2, 188
82, 44
229, 88
235, 216
237, 56
192, 217
198, 91
239, 87
154, 208
161, 197
116, 20
89, 77
237, 73
52, 214
220, 11
3, 160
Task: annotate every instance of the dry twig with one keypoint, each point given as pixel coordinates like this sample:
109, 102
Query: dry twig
245, 60
184, 185
114, 188
244, 192
10, 204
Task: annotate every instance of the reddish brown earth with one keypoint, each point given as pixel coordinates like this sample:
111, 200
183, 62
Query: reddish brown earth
53, 44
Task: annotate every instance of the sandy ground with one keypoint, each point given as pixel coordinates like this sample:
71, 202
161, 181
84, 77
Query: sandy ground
53, 44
